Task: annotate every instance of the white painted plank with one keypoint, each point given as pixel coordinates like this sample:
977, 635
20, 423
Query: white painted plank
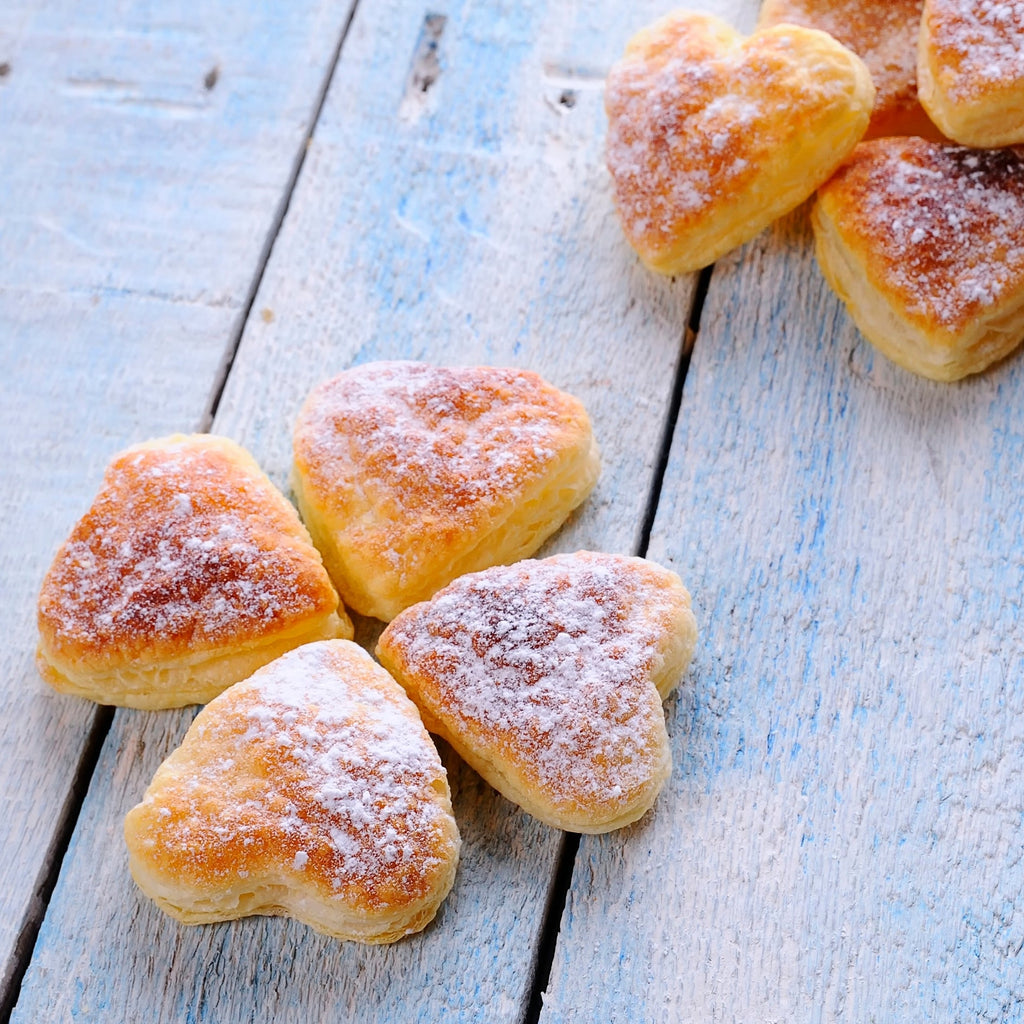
472, 224
841, 837
136, 196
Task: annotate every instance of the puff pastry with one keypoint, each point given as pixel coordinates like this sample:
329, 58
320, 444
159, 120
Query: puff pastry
409, 475
547, 677
711, 136
189, 571
971, 70
310, 790
883, 33
925, 245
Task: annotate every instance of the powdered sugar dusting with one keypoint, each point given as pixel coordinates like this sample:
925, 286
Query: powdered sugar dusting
411, 459
945, 224
181, 547
317, 765
437, 439
551, 662
977, 44
693, 118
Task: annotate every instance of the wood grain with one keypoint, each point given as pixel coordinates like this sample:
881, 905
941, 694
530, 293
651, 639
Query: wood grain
137, 195
467, 223
841, 837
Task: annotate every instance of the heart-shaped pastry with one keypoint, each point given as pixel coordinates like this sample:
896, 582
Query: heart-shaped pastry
547, 677
925, 245
711, 136
409, 475
883, 33
309, 790
970, 70
188, 573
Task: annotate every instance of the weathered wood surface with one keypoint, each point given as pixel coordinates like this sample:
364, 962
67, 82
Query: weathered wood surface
146, 153
470, 223
841, 839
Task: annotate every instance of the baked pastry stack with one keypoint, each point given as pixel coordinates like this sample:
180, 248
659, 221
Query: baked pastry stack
923, 242
918, 239
547, 677
189, 572
310, 790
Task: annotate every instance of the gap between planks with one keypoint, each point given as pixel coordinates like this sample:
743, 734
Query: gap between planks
571, 841
21, 956
230, 353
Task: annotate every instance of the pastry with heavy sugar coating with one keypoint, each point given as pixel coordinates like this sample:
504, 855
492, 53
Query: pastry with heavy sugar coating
189, 572
547, 677
883, 33
409, 475
309, 790
971, 70
711, 136
925, 245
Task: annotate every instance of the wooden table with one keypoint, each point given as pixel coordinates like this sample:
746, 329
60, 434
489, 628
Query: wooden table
205, 209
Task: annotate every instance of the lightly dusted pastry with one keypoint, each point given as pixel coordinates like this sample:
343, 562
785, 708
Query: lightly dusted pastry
547, 677
925, 245
712, 136
409, 475
189, 571
309, 790
971, 70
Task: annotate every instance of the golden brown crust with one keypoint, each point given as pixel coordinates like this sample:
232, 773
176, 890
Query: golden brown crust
547, 678
188, 572
409, 475
310, 790
711, 136
971, 70
925, 244
883, 33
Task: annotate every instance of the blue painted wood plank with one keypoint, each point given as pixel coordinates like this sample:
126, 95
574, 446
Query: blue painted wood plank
147, 150
841, 837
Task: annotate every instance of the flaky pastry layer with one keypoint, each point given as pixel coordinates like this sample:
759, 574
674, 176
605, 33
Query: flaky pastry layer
547, 678
925, 245
194, 679
189, 571
310, 790
409, 475
970, 70
711, 136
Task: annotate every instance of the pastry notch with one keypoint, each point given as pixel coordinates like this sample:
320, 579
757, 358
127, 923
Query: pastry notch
547, 677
